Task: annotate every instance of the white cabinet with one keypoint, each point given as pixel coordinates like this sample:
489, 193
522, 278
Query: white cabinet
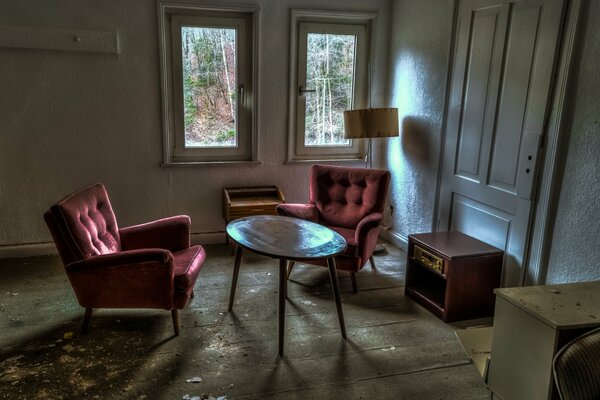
530, 325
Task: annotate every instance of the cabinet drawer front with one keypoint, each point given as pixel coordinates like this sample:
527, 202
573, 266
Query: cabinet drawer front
428, 259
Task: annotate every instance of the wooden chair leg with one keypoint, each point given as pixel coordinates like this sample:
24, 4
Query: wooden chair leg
289, 269
86, 320
175, 317
282, 297
354, 282
372, 261
335, 287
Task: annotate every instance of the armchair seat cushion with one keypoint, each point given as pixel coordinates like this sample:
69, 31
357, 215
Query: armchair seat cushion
186, 267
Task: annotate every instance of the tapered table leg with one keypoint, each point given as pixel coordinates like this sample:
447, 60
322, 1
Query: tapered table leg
335, 287
236, 271
282, 296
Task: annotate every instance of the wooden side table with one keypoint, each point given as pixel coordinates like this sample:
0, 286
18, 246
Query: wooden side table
239, 202
453, 275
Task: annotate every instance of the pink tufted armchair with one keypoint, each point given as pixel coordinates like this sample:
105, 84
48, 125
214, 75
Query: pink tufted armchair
143, 266
350, 201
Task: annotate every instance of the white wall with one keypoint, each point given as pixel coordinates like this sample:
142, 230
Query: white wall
72, 119
575, 248
419, 51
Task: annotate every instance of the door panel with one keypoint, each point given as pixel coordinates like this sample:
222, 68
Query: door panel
511, 110
481, 221
476, 90
501, 85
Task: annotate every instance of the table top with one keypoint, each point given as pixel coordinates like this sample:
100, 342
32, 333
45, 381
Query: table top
454, 244
572, 305
285, 237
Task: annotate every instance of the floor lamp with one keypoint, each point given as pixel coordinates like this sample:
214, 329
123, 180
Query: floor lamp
371, 123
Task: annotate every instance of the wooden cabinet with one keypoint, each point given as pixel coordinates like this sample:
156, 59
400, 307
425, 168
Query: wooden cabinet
241, 202
530, 325
453, 275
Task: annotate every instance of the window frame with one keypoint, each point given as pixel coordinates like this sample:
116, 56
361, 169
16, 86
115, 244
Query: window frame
344, 22
171, 17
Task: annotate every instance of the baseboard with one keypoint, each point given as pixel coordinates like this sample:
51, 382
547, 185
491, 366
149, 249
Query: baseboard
208, 238
396, 239
27, 250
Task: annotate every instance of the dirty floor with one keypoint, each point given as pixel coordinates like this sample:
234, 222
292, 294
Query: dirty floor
395, 348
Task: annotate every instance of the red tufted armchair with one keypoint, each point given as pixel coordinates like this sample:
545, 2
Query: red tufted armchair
143, 266
349, 201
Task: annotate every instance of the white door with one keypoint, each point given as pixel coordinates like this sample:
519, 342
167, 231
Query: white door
502, 78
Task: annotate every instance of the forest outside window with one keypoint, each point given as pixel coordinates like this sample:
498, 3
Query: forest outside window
329, 75
208, 85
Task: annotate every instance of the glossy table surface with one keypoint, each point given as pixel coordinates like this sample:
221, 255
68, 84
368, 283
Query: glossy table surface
286, 237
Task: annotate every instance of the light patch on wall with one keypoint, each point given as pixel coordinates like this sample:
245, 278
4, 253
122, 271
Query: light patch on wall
404, 83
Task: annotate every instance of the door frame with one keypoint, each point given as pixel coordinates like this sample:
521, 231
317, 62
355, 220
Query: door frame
549, 182
535, 260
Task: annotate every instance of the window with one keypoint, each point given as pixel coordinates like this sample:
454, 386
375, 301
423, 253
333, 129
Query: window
208, 84
328, 75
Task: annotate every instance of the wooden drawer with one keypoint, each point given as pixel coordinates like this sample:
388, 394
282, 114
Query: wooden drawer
246, 201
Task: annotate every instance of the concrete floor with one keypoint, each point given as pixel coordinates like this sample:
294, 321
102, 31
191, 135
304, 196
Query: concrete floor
395, 348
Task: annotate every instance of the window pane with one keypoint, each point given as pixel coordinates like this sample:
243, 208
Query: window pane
330, 71
209, 86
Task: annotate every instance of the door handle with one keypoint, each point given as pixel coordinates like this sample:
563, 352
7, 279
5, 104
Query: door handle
242, 94
301, 91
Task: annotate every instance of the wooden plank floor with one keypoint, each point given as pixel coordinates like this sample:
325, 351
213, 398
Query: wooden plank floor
395, 348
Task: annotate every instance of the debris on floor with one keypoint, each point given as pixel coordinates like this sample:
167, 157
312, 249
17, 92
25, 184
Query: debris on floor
133, 354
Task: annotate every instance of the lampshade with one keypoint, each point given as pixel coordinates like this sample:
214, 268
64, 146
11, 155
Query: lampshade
371, 123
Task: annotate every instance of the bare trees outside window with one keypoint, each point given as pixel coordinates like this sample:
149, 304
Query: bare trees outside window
329, 56
209, 86
330, 73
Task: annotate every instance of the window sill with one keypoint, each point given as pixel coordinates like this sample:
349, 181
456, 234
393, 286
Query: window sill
324, 159
186, 164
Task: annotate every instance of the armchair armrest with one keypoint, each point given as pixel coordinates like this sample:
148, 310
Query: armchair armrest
171, 233
307, 212
367, 232
121, 259
135, 278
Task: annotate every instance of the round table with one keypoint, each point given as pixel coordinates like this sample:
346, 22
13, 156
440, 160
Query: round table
287, 238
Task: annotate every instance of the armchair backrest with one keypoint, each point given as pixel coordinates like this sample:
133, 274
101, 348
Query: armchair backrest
344, 196
83, 224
